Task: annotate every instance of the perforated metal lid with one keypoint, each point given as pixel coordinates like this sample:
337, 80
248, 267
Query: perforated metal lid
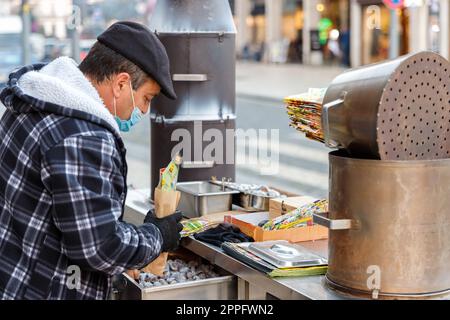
414, 113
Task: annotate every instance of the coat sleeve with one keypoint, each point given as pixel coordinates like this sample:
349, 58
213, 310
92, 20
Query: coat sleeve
83, 175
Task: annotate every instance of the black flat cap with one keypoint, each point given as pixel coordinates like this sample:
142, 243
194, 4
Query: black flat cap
138, 44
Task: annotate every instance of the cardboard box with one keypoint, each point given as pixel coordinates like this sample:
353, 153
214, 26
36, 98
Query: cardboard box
248, 224
281, 206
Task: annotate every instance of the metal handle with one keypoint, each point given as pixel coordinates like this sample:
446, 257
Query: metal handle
198, 164
283, 208
325, 122
190, 77
340, 224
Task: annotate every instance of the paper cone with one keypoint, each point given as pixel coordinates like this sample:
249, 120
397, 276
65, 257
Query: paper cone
166, 203
133, 274
157, 266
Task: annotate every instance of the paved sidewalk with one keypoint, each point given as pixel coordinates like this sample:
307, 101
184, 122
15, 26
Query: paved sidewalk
275, 81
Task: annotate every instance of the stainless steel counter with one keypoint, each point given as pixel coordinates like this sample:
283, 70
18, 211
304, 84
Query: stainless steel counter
252, 284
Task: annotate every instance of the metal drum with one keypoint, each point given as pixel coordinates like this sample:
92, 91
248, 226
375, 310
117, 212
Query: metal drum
389, 226
394, 110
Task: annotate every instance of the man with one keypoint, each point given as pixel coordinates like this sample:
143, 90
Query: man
63, 172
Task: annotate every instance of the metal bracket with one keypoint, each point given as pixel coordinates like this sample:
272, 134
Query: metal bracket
339, 224
221, 36
198, 164
160, 119
325, 122
283, 208
375, 293
190, 77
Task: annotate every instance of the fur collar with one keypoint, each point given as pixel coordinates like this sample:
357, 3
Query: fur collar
62, 83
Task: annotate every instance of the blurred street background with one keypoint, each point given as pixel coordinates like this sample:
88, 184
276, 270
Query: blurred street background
283, 47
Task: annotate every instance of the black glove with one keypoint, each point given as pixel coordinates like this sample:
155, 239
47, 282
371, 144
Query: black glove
170, 228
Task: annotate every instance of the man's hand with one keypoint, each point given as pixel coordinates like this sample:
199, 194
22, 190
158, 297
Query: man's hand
170, 228
133, 274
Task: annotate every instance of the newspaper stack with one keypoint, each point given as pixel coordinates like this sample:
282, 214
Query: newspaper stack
305, 112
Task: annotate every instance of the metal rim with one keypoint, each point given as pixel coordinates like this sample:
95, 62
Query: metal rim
367, 294
181, 186
338, 156
413, 120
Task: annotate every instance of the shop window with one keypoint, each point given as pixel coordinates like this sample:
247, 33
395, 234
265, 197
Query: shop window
376, 33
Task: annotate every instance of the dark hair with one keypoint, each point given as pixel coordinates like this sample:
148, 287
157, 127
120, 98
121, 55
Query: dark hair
102, 63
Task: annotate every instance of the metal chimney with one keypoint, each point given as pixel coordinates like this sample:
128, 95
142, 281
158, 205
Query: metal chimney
199, 36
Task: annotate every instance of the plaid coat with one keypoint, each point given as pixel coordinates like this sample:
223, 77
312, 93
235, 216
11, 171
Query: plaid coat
62, 190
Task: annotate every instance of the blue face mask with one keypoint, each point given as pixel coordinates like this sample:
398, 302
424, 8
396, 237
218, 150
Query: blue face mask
136, 115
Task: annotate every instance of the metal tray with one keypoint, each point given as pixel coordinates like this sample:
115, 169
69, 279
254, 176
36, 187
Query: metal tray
283, 254
247, 200
251, 202
199, 198
220, 288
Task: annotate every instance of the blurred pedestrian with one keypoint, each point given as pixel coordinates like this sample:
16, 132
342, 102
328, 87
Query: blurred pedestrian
344, 41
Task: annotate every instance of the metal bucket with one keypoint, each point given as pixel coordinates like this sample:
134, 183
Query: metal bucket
394, 110
389, 226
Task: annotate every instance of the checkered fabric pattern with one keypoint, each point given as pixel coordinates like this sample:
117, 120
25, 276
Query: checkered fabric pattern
62, 191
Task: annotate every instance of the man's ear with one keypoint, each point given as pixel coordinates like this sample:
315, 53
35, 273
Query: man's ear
120, 83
